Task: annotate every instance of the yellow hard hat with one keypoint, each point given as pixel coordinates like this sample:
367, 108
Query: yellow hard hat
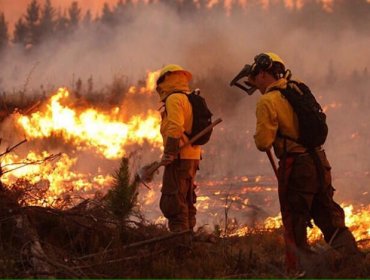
264, 61
275, 58
172, 68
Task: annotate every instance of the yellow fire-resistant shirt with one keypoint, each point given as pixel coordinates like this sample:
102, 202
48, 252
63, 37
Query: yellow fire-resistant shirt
178, 116
274, 113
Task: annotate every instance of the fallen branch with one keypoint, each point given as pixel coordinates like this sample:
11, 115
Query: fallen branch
157, 239
125, 259
60, 266
30, 109
139, 244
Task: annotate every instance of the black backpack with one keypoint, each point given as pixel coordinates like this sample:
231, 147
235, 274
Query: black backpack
313, 129
202, 116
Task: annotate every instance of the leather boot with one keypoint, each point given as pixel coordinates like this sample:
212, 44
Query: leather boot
345, 243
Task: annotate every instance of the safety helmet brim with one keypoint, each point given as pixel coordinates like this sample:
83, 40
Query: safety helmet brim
173, 68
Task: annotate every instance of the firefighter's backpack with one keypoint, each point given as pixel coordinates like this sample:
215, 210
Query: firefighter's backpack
202, 117
313, 129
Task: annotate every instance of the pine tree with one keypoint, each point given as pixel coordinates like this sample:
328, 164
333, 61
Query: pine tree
120, 11
74, 13
33, 23
90, 86
87, 19
47, 21
4, 37
107, 15
20, 32
122, 198
78, 88
61, 25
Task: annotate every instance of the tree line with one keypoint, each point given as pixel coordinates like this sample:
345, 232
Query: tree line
42, 21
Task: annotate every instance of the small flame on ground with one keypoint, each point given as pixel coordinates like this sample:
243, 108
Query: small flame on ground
357, 221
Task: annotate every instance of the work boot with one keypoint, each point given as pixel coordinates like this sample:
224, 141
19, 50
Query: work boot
184, 246
351, 258
345, 243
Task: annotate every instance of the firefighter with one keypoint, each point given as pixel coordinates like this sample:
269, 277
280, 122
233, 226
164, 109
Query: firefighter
178, 196
302, 195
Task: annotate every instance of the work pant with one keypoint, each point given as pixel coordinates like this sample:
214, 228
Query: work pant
178, 196
303, 195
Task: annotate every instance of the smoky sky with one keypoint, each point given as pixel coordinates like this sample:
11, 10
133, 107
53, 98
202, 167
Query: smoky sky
14, 9
315, 45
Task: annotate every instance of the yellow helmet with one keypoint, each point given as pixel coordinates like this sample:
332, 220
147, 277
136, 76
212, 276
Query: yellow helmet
264, 61
275, 58
172, 68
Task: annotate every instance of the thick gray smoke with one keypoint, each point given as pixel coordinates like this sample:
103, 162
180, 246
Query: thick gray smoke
328, 52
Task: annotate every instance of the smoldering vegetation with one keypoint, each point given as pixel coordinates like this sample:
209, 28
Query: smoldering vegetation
107, 237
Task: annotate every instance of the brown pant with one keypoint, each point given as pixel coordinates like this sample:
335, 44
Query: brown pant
178, 196
304, 196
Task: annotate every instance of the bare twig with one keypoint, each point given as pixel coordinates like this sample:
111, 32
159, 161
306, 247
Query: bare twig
227, 208
23, 164
30, 109
29, 76
9, 149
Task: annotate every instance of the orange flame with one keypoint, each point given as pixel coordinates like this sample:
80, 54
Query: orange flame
357, 221
104, 132
150, 84
57, 177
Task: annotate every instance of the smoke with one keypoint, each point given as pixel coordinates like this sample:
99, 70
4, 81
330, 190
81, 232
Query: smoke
324, 50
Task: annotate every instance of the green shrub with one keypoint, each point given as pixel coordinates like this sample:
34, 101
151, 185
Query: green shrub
122, 198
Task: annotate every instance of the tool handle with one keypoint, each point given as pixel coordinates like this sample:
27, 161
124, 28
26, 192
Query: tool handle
154, 167
191, 141
201, 133
273, 164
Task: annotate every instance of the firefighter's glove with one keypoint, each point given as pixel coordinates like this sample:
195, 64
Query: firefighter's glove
170, 150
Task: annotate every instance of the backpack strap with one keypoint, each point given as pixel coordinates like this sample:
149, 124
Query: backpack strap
187, 93
312, 152
279, 134
173, 92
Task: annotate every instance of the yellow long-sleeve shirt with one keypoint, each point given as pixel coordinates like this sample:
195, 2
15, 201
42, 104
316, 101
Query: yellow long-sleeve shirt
274, 113
178, 116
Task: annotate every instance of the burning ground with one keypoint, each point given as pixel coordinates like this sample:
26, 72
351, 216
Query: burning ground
88, 142
67, 166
